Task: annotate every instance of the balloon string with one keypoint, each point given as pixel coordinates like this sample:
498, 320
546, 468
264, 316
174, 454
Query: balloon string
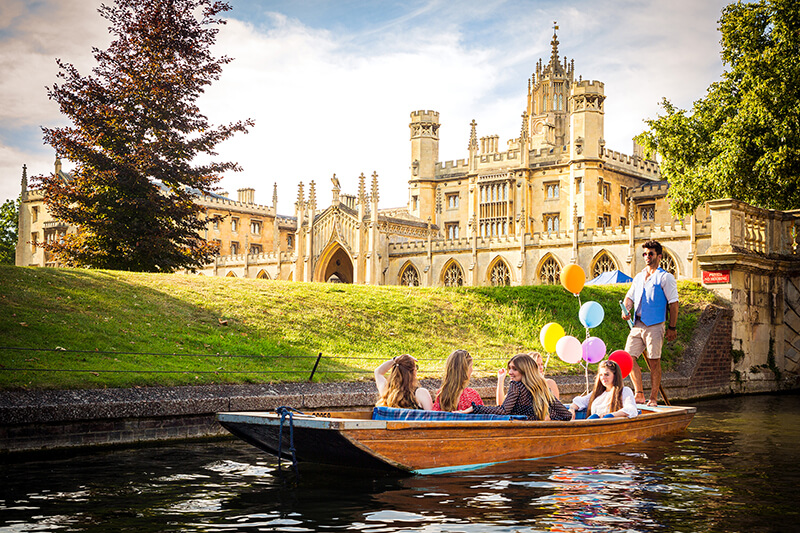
586, 374
546, 362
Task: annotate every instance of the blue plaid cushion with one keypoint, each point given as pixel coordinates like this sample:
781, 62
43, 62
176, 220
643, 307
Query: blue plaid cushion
394, 413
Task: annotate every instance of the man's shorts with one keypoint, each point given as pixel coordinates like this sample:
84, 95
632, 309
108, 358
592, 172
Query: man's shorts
642, 337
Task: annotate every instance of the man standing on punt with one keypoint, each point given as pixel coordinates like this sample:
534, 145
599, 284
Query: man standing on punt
654, 298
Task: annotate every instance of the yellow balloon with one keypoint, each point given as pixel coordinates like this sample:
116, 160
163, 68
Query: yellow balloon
550, 335
572, 278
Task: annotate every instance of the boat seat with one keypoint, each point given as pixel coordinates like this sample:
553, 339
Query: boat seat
395, 413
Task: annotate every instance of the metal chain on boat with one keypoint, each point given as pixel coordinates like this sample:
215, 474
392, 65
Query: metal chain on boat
286, 412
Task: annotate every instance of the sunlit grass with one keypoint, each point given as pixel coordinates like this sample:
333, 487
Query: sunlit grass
193, 326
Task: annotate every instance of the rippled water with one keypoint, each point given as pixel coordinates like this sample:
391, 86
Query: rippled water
737, 468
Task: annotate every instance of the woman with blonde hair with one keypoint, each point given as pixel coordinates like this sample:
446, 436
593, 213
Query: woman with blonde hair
610, 398
454, 393
528, 394
401, 389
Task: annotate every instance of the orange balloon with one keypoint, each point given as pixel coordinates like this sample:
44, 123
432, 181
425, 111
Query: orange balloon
572, 278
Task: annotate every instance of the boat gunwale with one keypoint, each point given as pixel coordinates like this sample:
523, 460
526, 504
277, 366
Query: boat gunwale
330, 422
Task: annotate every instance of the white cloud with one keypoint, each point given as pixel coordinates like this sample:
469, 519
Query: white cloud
338, 100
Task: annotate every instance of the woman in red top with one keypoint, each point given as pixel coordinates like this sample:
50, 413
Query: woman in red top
455, 394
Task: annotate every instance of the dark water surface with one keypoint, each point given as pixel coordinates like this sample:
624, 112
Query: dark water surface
737, 468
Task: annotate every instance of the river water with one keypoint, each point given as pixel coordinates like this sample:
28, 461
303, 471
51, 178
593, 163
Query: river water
737, 468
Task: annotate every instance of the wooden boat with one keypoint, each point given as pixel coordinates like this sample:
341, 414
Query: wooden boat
354, 439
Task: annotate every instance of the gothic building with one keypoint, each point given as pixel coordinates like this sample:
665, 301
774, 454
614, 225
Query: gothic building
513, 215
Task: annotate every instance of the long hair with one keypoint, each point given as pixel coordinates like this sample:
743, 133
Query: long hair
616, 387
455, 380
534, 382
401, 384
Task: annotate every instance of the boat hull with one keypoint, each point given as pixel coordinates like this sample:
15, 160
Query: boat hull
351, 439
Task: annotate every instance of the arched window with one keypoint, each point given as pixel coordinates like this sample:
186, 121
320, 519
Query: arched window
550, 272
262, 274
668, 264
604, 263
409, 276
500, 275
453, 276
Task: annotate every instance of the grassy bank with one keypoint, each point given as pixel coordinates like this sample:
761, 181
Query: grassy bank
65, 328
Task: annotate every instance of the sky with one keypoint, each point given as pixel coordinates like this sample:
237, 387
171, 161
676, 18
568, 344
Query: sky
331, 83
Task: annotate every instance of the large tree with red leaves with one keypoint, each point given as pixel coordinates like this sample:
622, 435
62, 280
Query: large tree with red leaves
136, 132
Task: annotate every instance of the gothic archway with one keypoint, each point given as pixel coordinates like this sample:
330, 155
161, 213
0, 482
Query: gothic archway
230, 274
668, 263
262, 274
499, 273
603, 262
334, 265
409, 275
549, 271
452, 275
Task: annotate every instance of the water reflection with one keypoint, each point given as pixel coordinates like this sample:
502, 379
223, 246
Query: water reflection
735, 469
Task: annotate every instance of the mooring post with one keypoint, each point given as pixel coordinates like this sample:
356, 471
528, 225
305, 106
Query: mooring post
316, 363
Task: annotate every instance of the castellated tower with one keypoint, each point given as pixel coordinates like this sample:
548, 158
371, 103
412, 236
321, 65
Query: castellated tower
586, 120
424, 156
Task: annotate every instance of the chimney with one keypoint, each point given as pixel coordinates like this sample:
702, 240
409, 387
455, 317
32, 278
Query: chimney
247, 196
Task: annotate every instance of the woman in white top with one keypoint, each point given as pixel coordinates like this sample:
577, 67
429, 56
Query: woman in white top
609, 397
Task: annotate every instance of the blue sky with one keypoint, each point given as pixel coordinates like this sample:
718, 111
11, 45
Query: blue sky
331, 84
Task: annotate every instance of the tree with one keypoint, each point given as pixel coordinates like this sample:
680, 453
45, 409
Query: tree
742, 140
9, 216
136, 132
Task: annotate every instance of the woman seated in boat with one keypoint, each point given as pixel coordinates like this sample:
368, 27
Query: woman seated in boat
609, 398
551, 384
528, 393
454, 393
401, 389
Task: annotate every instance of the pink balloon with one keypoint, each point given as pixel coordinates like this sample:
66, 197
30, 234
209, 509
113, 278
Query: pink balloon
593, 349
568, 348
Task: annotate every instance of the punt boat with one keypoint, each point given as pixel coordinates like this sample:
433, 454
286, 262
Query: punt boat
458, 442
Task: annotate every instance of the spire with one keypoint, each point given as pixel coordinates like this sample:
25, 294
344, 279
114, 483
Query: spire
24, 181
523, 134
374, 197
473, 136
275, 196
362, 189
300, 194
554, 43
312, 196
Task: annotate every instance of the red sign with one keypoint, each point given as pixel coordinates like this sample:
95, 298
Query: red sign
716, 276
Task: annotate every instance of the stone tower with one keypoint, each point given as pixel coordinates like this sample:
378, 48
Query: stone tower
586, 151
586, 120
548, 100
424, 156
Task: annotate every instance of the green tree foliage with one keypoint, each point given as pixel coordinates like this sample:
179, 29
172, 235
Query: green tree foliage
742, 140
136, 132
9, 216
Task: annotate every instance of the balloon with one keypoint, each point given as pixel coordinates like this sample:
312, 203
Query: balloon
591, 314
549, 336
572, 278
568, 348
624, 360
593, 350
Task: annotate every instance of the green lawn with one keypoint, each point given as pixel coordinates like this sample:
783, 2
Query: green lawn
69, 328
